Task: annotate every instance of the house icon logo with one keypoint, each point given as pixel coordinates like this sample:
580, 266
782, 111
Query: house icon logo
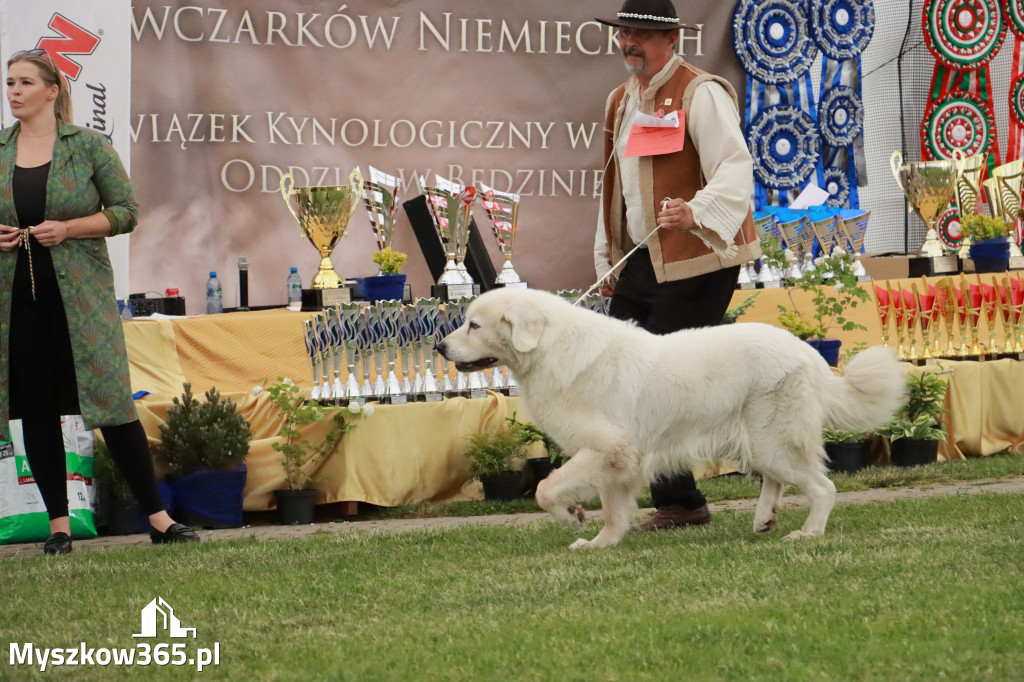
159, 612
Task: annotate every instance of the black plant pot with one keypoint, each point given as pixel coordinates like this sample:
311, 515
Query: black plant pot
907, 452
506, 486
295, 506
125, 517
848, 457
537, 469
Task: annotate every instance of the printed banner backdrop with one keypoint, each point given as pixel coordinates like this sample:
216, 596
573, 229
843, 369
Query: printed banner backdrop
508, 94
90, 42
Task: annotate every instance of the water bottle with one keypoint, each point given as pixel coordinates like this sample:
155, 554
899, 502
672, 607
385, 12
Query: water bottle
294, 287
214, 295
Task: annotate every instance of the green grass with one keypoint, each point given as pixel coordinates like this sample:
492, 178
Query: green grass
736, 487
907, 590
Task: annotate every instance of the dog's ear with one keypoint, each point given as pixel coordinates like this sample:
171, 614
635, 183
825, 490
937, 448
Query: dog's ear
526, 327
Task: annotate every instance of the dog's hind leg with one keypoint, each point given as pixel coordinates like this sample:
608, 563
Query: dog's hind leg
822, 494
766, 515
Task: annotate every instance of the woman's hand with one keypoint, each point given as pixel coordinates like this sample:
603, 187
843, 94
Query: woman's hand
8, 238
50, 232
676, 215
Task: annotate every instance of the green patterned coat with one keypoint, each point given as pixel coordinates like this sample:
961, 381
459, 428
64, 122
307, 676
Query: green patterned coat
86, 176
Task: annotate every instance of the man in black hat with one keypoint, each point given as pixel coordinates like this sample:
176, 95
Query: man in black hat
695, 200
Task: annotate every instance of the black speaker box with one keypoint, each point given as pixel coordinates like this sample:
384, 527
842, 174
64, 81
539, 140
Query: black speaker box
478, 262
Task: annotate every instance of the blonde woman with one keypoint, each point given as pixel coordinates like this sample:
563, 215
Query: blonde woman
63, 189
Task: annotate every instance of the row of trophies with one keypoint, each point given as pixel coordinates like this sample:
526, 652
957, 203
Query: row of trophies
804, 237
961, 308
391, 345
324, 212
944, 191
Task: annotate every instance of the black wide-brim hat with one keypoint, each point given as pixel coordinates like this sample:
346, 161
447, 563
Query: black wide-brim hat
648, 14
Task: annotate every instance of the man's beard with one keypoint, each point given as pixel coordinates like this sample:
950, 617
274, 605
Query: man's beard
634, 69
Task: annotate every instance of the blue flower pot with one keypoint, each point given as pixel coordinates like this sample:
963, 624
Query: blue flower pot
828, 348
209, 499
384, 287
991, 255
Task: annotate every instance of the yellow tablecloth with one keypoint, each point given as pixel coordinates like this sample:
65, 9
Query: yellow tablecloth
412, 453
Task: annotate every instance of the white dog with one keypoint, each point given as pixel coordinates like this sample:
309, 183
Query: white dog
628, 405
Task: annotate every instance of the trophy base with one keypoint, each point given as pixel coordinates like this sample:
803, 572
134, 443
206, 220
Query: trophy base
452, 292
433, 397
863, 278
938, 265
477, 393
745, 286
318, 299
510, 285
400, 399
1016, 263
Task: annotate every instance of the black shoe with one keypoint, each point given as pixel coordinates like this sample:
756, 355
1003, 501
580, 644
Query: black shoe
177, 532
58, 543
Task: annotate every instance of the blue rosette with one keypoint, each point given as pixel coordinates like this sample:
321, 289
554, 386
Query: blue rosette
840, 116
772, 40
842, 29
785, 145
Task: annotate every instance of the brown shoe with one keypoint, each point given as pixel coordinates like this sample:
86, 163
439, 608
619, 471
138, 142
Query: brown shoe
676, 517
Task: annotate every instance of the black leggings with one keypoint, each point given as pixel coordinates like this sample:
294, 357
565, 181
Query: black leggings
44, 448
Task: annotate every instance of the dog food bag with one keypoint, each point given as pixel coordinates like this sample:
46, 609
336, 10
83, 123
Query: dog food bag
23, 516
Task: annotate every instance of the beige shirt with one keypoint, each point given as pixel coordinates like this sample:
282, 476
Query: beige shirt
721, 206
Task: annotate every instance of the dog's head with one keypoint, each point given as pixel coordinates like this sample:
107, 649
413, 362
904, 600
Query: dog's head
501, 327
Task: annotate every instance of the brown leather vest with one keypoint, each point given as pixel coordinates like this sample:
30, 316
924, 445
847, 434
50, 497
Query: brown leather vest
676, 254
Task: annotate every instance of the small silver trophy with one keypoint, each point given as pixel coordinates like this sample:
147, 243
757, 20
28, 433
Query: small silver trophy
390, 312
350, 314
450, 207
380, 197
426, 316
790, 232
503, 210
856, 228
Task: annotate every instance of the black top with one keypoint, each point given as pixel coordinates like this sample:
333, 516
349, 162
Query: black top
29, 188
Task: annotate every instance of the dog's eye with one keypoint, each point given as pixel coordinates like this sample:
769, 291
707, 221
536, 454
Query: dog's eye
474, 325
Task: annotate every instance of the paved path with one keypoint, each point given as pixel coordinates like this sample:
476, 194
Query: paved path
1012, 486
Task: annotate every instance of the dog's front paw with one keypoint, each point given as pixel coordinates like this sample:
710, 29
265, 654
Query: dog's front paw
581, 544
801, 535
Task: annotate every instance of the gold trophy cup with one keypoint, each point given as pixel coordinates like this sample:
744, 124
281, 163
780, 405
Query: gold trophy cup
929, 187
323, 213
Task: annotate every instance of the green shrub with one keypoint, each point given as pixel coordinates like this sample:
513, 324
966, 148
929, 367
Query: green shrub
203, 436
493, 452
920, 417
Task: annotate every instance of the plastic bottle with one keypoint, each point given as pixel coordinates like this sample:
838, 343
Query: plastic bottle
214, 295
294, 287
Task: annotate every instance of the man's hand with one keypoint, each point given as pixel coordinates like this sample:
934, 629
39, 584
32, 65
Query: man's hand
676, 215
608, 285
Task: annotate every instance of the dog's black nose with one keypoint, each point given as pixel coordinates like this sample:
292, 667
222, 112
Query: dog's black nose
440, 347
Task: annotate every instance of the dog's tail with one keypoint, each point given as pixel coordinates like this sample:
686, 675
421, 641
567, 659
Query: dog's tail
868, 395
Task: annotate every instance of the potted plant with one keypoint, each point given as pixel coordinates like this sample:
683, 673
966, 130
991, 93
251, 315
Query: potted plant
300, 457
491, 456
848, 451
537, 468
834, 290
390, 283
916, 430
990, 243
204, 445
119, 512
